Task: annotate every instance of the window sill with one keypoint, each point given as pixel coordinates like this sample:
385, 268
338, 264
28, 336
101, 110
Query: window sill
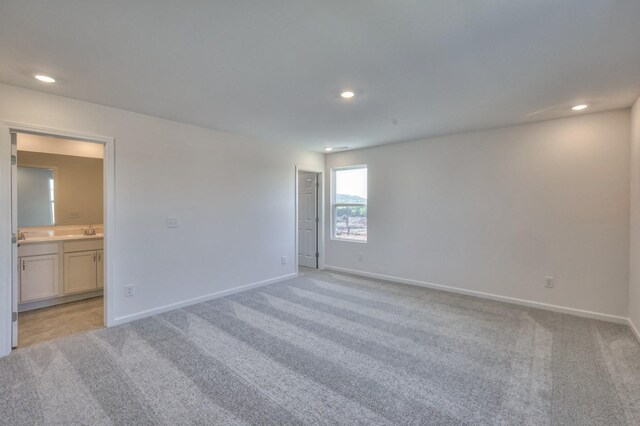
346, 240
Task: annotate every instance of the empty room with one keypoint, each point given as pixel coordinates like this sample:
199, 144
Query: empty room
319, 212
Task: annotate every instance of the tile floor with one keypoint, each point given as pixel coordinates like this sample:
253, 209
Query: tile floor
49, 323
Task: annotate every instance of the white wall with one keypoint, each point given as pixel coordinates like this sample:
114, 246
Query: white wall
43, 144
496, 211
634, 278
234, 196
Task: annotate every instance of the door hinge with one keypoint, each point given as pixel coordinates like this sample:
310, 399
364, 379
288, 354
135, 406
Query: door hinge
14, 238
317, 220
317, 254
14, 316
14, 160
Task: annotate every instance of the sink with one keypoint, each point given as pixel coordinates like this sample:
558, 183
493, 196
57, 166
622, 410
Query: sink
37, 234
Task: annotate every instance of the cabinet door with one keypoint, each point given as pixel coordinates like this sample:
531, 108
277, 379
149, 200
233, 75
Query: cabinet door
80, 271
38, 277
100, 278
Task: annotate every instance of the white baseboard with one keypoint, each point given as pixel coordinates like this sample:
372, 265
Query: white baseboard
170, 307
634, 329
490, 296
29, 306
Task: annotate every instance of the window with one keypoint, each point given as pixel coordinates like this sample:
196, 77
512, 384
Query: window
349, 203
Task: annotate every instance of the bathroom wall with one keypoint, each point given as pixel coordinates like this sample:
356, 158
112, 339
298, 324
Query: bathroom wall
49, 145
79, 186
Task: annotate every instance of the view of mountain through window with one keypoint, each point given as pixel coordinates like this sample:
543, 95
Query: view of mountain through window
350, 204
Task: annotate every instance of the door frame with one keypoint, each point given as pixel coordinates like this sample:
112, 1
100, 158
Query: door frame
320, 207
6, 261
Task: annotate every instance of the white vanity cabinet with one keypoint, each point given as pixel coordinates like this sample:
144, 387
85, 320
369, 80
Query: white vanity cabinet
38, 271
100, 268
59, 271
81, 267
80, 272
39, 277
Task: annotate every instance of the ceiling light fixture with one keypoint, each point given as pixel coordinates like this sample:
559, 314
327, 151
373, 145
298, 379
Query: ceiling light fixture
45, 78
580, 107
347, 94
328, 149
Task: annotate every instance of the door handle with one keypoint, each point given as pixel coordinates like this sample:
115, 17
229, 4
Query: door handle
94, 257
24, 265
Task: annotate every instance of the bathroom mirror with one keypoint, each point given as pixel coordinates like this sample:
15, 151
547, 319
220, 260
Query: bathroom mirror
36, 196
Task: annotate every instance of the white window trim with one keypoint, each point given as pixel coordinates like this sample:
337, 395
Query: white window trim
335, 205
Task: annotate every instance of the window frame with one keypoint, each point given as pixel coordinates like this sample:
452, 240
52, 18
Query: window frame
334, 205
52, 198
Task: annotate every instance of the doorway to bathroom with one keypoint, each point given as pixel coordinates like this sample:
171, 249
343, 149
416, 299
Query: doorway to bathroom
59, 215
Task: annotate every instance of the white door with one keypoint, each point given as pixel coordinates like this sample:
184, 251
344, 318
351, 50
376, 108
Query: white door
80, 271
14, 246
307, 219
38, 277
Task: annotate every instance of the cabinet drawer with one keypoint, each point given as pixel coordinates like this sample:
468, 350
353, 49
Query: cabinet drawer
37, 249
72, 246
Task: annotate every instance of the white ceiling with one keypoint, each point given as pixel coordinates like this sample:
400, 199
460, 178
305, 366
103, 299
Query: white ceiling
273, 68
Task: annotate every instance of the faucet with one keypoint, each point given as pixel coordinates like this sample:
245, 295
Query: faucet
90, 231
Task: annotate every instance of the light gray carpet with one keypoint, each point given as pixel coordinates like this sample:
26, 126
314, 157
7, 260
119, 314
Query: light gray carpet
329, 348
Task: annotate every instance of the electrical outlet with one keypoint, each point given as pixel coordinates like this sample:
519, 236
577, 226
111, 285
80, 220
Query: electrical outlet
128, 291
74, 215
173, 222
549, 282
283, 260
360, 257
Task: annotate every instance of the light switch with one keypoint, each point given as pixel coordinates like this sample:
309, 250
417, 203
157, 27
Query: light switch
172, 222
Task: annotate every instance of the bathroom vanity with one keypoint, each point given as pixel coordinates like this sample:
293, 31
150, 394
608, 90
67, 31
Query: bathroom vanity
59, 265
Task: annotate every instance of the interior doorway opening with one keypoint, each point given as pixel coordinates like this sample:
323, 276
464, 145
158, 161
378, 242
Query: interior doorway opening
58, 220
308, 218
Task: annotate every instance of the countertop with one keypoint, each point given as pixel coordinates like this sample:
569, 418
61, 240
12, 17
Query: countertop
56, 238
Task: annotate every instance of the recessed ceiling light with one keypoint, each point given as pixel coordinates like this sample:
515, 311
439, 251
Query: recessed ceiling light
328, 149
347, 94
45, 78
580, 107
